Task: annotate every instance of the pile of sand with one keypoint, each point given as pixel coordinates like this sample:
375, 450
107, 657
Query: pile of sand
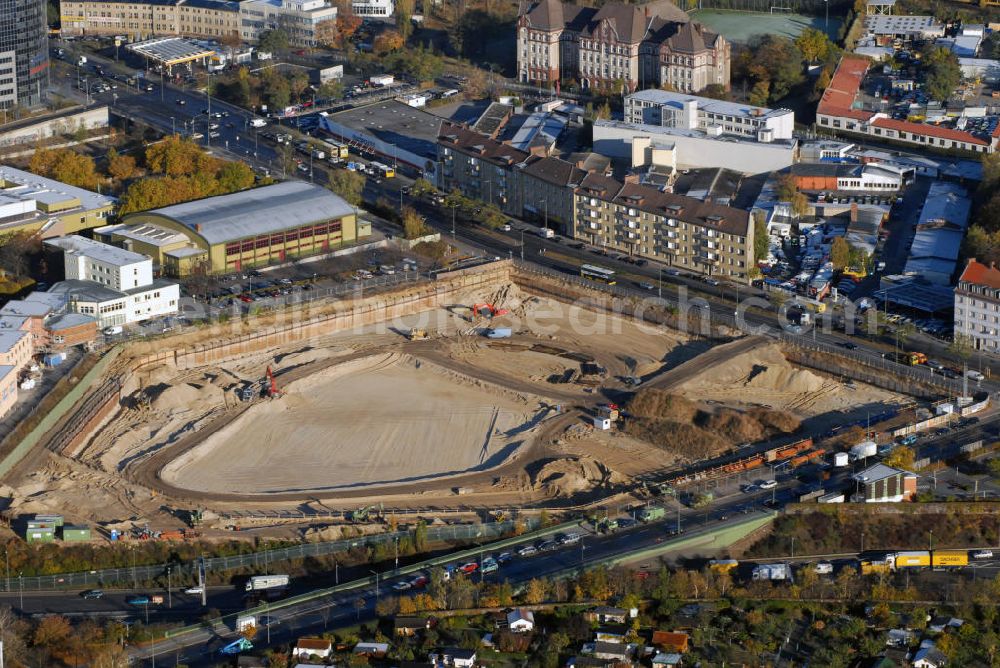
185, 397
763, 369
565, 477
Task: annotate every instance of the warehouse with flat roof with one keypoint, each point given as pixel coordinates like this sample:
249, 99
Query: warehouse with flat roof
253, 227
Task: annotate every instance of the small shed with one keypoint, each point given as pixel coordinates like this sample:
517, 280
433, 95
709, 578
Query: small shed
520, 620
666, 660
307, 647
602, 423
409, 626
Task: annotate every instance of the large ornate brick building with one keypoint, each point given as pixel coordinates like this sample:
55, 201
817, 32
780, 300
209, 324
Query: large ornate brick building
642, 46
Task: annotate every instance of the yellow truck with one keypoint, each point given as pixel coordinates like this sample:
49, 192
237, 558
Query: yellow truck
723, 565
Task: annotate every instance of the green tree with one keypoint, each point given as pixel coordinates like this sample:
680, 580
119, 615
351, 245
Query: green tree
761, 243
331, 90
942, 73
840, 253
235, 176
716, 92
348, 185
901, 458
404, 14
813, 44
413, 223
994, 467
760, 93
273, 41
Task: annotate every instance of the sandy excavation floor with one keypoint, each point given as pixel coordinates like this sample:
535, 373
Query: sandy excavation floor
765, 377
382, 419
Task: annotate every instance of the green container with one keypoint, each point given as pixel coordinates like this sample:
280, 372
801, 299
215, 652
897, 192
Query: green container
72, 533
41, 535
54, 520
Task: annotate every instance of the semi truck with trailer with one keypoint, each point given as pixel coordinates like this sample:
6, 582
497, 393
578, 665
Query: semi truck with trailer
894, 561
263, 582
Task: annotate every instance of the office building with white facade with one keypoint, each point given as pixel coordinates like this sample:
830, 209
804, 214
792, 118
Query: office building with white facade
374, 9
298, 18
113, 285
690, 112
113, 267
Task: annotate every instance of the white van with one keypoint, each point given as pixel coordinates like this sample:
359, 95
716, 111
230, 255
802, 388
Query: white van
111, 331
546, 233
972, 374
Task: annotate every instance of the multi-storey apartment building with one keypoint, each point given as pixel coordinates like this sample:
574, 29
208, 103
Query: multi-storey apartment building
212, 19
977, 306
479, 167
522, 184
689, 112
636, 46
298, 18
637, 219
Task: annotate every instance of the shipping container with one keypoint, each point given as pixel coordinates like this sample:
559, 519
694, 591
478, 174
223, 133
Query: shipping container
75, 533
914, 559
42, 535
54, 520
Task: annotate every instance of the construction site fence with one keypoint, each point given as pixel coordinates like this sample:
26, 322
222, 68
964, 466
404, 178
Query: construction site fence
264, 560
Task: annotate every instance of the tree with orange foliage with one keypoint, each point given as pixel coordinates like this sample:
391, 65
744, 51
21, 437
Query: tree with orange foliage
387, 42
347, 25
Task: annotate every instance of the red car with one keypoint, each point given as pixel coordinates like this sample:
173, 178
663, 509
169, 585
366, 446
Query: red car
469, 568
246, 299
418, 582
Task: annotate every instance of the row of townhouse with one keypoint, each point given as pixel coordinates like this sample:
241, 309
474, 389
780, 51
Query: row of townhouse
210, 19
628, 217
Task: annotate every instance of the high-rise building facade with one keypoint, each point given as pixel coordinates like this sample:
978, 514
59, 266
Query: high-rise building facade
24, 53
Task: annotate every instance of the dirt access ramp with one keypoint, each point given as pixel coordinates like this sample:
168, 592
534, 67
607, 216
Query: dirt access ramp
703, 363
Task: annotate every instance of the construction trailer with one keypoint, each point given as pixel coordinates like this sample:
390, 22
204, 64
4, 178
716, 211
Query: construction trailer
76, 533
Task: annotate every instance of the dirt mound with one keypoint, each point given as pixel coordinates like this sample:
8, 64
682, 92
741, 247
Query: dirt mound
661, 405
564, 477
764, 368
682, 439
186, 396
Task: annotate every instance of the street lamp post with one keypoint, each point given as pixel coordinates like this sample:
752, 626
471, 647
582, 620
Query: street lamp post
173, 125
659, 282
375, 573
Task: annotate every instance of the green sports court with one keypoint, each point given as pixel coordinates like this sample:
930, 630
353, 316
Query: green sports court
742, 27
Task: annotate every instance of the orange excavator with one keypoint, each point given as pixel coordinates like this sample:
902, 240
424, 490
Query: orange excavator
487, 309
272, 385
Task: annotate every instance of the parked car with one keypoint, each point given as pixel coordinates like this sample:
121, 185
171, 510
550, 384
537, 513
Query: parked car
527, 550
401, 586
92, 593
194, 590
769, 484
469, 568
982, 554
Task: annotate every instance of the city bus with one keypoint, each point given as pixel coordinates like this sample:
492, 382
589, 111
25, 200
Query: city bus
336, 149
385, 171
595, 273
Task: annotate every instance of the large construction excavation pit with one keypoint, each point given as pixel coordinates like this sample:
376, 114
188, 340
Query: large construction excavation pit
371, 413
378, 420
